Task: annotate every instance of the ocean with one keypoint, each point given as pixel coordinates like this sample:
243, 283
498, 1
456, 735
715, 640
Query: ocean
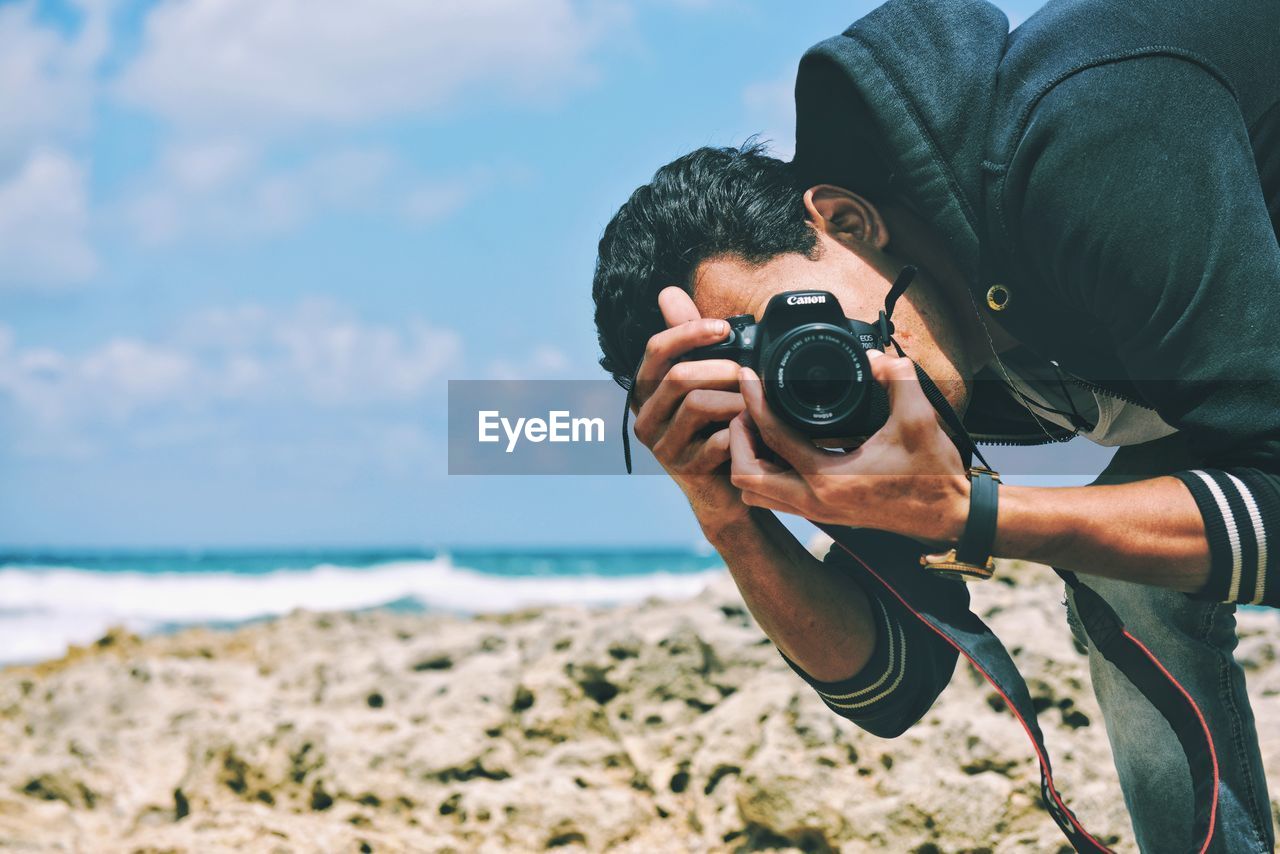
50, 600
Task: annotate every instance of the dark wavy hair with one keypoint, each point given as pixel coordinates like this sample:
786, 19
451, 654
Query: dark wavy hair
709, 203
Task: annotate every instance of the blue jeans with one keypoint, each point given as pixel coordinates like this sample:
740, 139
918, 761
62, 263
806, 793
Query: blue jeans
1195, 641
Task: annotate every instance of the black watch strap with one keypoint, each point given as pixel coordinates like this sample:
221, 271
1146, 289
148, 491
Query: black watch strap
971, 559
979, 535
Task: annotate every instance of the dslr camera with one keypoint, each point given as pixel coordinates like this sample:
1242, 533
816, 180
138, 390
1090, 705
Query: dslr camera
813, 363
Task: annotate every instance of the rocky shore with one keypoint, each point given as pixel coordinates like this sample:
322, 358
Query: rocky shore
660, 727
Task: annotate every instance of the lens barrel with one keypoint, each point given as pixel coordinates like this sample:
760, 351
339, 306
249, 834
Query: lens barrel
818, 379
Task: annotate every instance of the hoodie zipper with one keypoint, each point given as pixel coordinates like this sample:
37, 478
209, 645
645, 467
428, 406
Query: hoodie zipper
1040, 438
994, 440
1106, 392
1027, 441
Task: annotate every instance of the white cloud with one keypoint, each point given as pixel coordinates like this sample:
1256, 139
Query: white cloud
771, 109
312, 355
434, 201
46, 77
222, 189
44, 220
53, 389
335, 360
225, 190
232, 63
136, 372
542, 362
47, 90
207, 166
315, 353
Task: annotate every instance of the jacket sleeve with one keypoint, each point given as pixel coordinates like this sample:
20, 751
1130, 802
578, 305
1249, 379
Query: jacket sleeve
1138, 200
906, 672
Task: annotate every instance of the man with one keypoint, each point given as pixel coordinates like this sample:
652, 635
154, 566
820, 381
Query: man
1093, 201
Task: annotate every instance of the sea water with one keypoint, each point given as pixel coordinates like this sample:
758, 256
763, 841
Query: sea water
50, 600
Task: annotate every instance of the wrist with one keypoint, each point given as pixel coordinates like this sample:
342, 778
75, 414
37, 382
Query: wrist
954, 515
969, 557
722, 523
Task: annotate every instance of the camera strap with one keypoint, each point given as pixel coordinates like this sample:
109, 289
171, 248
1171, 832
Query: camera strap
936, 398
925, 599
886, 563
626, 421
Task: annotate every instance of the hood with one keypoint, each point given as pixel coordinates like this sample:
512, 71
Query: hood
900, 102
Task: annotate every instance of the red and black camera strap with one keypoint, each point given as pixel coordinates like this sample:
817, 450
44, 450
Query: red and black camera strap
888, 562
973, 639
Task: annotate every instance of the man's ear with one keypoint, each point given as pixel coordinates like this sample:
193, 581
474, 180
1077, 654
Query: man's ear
845, 216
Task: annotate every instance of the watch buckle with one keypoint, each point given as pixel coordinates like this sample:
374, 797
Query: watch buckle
975, 469
949, 567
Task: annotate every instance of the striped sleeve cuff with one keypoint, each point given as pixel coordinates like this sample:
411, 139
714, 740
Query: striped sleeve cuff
1239, 508
871, 688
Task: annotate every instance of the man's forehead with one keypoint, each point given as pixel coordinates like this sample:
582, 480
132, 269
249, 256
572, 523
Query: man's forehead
728, 285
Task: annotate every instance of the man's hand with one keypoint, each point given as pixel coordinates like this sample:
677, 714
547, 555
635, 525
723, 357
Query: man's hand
907, 478
816, 614
683, 409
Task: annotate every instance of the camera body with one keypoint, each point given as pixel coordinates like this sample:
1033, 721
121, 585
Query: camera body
813, 363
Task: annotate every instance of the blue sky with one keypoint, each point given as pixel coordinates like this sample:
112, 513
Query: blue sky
244, 245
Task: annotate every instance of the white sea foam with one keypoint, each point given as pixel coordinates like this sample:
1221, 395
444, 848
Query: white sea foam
44, 609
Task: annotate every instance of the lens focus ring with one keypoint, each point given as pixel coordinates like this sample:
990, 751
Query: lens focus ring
816, 379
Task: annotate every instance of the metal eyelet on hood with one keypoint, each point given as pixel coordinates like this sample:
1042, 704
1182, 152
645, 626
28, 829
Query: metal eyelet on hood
998, 297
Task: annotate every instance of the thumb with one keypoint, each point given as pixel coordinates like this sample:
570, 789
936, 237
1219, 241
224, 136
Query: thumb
908, 406
677, 306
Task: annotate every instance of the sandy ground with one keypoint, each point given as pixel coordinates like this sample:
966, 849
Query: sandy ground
650, 728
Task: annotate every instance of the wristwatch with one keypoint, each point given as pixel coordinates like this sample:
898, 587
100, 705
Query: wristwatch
971, 559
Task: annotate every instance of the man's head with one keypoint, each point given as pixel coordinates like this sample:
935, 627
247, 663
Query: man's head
733, 227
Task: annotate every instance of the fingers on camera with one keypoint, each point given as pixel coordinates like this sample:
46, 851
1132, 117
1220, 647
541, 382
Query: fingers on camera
711, 454
677, 306
700, 408
910, 410
667, 346
683, 379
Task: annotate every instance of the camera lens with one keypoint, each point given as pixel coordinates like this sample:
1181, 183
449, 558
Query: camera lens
820, 375
816, 378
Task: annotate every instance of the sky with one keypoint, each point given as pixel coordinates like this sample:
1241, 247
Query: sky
244, 245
